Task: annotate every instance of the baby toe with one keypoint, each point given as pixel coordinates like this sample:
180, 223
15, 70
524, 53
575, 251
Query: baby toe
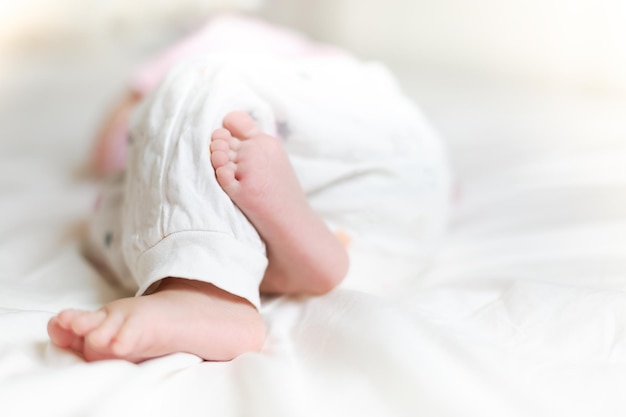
241, 125
219, 145
219, 159
59, 335
101, 337
86, 321
221, 134
226, 177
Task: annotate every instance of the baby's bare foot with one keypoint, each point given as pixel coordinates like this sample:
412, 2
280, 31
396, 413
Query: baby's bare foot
182, 316
255, 172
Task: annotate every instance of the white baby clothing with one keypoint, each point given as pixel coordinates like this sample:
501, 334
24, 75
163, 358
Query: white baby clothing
367, 161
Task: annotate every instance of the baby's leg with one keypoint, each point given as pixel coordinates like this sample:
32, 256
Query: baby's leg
304, 255
181, 315
196, 259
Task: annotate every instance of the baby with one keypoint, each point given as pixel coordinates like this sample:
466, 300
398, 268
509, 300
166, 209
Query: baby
251, 154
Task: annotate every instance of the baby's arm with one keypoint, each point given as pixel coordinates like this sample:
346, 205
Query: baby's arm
109, 152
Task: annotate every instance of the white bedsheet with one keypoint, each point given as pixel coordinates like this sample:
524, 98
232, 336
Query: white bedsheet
522, 313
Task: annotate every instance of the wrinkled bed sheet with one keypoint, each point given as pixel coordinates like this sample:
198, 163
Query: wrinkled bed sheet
522, 313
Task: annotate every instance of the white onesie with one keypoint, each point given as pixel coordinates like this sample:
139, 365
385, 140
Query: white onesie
368, 163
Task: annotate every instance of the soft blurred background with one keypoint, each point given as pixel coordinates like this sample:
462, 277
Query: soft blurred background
573, 43
552, 70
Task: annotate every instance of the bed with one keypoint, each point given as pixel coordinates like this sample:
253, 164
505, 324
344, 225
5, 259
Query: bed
522, 312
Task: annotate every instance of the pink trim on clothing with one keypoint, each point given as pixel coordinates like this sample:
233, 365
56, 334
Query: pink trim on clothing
227, 33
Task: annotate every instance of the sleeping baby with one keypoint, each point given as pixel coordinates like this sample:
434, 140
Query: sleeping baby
252, 163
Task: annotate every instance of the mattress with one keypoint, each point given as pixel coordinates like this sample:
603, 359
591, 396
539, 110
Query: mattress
521, 312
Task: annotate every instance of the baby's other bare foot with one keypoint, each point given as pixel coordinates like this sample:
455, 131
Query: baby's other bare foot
255, 172
182, 316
